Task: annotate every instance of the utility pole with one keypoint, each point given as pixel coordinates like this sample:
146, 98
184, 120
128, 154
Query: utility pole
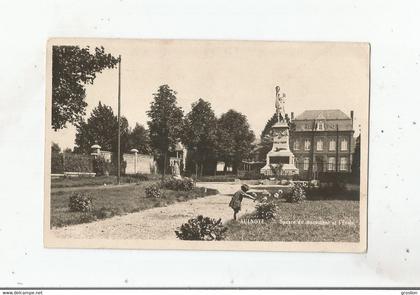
119, 121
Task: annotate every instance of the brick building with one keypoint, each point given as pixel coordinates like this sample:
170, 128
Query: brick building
322, 142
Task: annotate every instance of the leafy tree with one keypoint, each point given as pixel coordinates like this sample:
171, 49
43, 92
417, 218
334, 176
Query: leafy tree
355, 165
234, 138
101, 128
68, 150
139, 139
165, 125
271, 122
72, 68
199, 134
265, 137
55, 148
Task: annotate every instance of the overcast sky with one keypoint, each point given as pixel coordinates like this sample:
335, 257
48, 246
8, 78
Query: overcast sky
232, 75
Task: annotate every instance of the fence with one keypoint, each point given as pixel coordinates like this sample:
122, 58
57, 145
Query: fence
321, 170
323, 167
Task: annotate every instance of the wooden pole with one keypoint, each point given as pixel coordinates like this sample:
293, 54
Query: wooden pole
119, 121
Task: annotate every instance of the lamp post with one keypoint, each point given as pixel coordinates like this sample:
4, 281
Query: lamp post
119, 121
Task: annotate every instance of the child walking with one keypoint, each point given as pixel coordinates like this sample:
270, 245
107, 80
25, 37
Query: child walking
236, 201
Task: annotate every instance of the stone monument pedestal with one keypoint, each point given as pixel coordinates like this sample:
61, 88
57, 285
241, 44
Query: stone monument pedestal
280, 154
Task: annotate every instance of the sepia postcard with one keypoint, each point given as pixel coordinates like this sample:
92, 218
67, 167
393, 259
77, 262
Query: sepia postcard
206, 145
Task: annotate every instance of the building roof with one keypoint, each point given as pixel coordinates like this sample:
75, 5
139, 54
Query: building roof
323, 114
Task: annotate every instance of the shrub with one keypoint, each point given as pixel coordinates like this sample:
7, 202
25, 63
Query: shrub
202, 228
77, 163
153, 191
184, 184
57, 163
101, 166
266, 210
81, 202
298, 193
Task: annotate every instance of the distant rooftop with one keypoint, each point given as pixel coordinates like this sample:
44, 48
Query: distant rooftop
323, 114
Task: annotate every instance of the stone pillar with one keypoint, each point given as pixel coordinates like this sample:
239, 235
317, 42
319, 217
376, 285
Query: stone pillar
96, 150
135, 151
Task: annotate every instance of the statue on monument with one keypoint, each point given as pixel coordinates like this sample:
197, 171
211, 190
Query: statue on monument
280, 156
280, 100
176, 173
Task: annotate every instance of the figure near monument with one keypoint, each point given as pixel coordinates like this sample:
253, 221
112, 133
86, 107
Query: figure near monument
280, 101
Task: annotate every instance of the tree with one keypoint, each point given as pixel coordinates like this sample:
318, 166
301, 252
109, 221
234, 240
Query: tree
355, 165
72, 68
68, 150
55, 148
199, 133
265, 137
165, 125
101, 128
234, 138
139, 139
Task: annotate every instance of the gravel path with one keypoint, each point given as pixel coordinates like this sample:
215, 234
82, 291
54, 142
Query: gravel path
159, 223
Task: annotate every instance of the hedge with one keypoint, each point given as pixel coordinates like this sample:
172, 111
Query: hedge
77, 163
57, 163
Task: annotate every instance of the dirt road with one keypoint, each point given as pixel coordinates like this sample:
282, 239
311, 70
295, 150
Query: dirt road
161, 222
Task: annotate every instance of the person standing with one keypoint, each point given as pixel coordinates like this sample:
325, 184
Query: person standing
236, 201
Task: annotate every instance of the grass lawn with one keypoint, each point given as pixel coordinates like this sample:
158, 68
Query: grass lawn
64, 182
116, 201
293, 223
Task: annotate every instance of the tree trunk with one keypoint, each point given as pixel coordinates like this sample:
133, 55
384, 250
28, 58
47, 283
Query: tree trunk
196, 169
235, 168
215, 169
164, 165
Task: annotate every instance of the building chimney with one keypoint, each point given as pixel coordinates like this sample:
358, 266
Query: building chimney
292, 116
352, 118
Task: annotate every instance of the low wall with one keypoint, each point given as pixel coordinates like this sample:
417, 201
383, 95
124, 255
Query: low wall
138, 163
71, 164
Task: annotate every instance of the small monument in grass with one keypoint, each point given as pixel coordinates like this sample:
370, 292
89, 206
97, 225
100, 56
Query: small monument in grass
280, 158
176, 173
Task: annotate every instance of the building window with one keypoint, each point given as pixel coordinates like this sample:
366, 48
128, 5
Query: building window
307, 145
320, 126
319, 145
343, 163
344, 145
296, 145
331, 163
306, 164
332, 145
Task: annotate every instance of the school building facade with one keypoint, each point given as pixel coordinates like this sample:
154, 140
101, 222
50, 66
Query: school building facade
322, 141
